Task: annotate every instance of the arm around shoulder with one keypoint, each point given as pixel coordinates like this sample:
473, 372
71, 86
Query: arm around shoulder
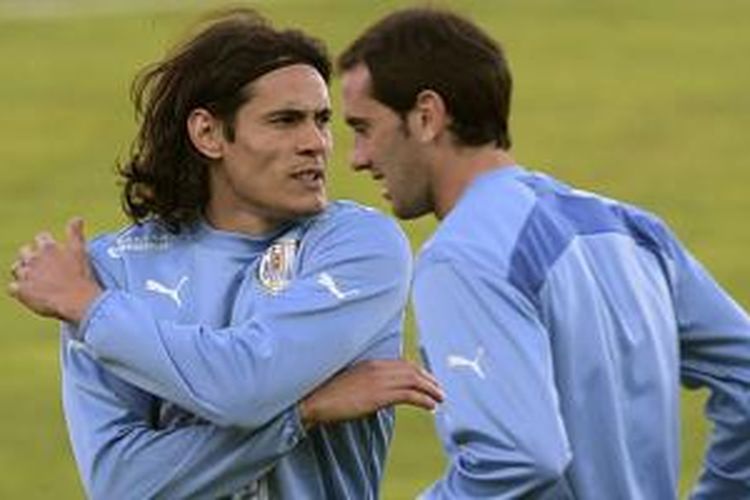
349, 294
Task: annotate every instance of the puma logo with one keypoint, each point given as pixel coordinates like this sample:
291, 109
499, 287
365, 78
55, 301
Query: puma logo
327, 281
455, 361
172, 293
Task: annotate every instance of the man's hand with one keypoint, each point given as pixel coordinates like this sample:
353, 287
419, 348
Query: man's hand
55, 280
369, 386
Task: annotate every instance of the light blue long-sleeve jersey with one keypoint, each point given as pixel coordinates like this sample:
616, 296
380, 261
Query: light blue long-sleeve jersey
182, 380
560, 324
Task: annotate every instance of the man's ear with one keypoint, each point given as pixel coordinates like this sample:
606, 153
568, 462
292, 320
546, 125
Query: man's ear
429, 117
206, 133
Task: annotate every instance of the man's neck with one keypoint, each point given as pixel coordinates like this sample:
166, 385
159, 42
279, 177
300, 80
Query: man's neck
457, 168
238, 221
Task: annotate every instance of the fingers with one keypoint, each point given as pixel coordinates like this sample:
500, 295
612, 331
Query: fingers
44, 240
426, 384
414, 398
18, 270
19, 267
404, 382
418, 395
405, 374
14, 289
28, 253
25, 254
431, 387
76, 239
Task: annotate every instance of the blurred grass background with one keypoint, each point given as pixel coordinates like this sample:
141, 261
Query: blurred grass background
643, 101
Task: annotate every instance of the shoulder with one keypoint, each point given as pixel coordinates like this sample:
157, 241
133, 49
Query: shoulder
358, 238
350, 212
649, 230
354, 224
485, 224
109, 252
135, 239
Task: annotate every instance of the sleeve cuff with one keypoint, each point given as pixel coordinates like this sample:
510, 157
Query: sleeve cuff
94, 311
294, 431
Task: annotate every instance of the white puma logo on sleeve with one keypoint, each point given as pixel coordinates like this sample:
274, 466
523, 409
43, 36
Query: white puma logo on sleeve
327, 282
455, 361
172, 293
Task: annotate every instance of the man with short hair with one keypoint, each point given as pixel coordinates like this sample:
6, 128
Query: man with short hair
205, 360
558, 322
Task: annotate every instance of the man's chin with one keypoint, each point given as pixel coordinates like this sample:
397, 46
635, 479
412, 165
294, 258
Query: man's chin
313, 208
408, 213
402, 214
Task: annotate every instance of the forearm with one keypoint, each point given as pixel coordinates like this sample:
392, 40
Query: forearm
367, 387
715, 354
726, 465
121, 455
239, 376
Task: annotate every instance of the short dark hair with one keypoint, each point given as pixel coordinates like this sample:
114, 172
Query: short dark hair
165, 176
418, 49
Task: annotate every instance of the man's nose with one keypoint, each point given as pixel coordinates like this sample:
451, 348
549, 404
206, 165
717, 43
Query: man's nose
315, 140
359, 159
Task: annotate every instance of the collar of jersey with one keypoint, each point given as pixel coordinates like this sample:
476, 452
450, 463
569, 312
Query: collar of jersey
242, 243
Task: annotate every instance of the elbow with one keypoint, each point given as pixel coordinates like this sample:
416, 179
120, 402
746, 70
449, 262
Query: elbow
118, 481
98, 477
113, 475
550, 468
504, 477
548, 455
519, 475
547, 467
101, 490
103, 485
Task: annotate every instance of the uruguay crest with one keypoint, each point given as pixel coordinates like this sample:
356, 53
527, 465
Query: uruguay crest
277, 266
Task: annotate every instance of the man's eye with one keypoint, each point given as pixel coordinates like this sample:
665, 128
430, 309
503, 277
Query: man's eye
285, 119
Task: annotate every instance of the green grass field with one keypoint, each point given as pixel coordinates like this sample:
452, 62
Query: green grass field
644, 101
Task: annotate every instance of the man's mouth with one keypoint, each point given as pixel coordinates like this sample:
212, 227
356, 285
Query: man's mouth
380, 178
313, 178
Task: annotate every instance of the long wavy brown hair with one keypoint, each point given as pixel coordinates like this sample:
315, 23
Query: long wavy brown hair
165, 177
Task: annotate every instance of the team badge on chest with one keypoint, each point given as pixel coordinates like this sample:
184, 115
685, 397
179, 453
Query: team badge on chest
277, 266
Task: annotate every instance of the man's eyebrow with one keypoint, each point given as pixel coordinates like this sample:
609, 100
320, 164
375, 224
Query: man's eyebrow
298, 111
288, 110
356, 121
326, 111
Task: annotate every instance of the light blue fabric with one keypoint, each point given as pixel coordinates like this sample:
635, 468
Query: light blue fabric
560, 324
182, 380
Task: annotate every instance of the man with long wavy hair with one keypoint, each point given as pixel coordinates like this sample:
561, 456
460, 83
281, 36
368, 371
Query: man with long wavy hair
199, 343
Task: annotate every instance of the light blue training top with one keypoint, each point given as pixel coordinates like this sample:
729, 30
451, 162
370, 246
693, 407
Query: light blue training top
560, 324
182, 380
